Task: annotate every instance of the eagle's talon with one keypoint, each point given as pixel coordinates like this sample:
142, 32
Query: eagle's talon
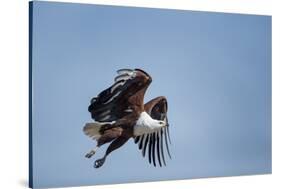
99, 163
90, 154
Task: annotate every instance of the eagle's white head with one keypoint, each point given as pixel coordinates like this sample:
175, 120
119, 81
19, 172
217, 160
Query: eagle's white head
145, 124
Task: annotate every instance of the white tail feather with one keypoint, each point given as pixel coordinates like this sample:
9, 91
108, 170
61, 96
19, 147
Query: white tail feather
92, 130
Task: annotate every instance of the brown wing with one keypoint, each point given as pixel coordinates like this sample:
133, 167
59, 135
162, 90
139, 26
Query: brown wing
153, 143
124, 97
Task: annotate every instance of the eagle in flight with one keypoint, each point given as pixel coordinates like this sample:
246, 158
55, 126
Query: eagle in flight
120, 114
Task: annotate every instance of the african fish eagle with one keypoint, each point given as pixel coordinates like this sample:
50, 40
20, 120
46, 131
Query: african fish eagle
120, 114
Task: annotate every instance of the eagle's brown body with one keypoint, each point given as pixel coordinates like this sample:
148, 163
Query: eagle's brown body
117, 110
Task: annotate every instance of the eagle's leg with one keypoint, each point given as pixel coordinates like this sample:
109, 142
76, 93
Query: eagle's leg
113, 146
92, 152
108, 136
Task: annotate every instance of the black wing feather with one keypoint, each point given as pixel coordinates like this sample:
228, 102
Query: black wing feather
137, 138
153, 149
158, 149
150, 147
166, 142
145, 145
141, 142
162, 150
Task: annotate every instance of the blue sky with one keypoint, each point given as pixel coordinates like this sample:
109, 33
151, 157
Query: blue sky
214, 69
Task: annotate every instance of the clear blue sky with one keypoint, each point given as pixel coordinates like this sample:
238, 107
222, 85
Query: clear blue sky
214, 68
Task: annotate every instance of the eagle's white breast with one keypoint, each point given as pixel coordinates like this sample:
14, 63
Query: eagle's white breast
145, 124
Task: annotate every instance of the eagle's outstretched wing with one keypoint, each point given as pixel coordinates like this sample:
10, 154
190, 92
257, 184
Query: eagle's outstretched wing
122, 98
153, 143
